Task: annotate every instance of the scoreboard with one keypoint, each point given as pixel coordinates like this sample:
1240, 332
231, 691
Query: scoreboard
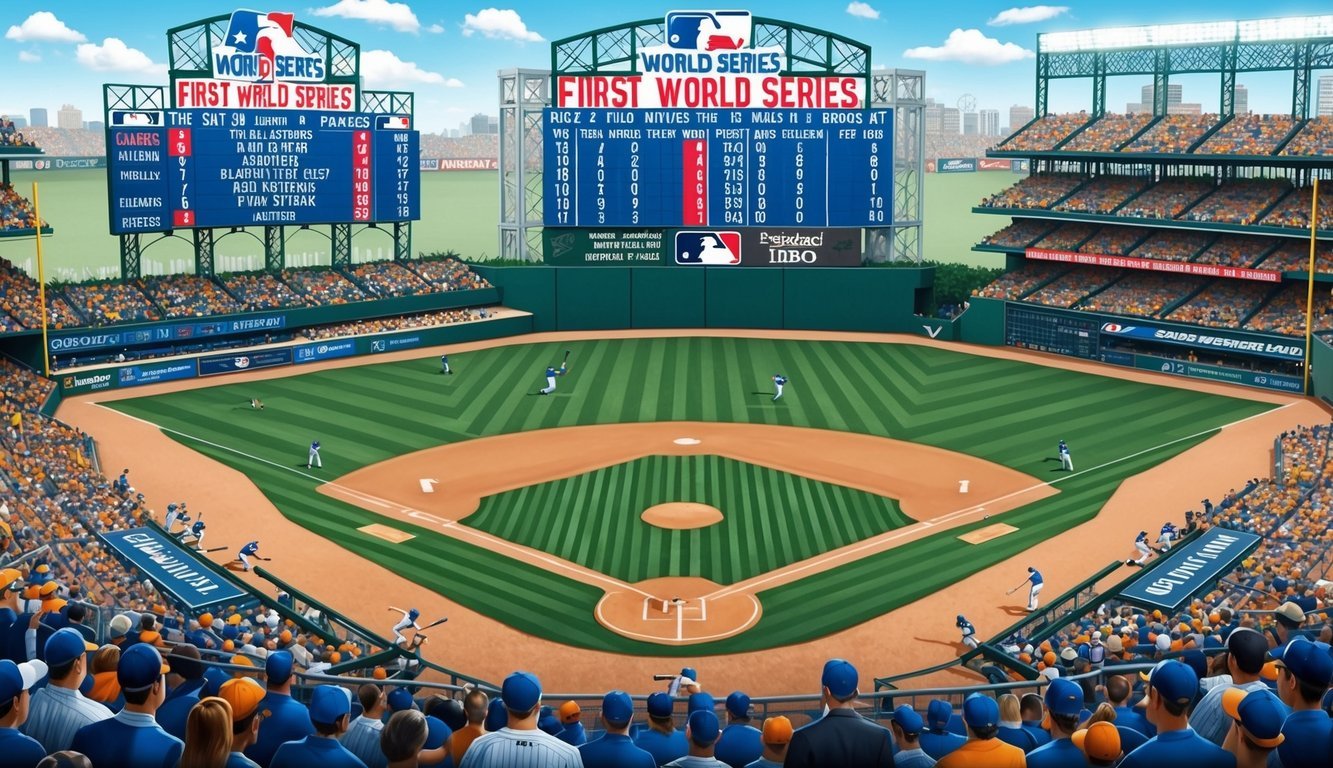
718, 167
243, 167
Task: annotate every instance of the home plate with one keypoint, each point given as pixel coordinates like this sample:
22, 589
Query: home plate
983, 535
385, 532
686, 441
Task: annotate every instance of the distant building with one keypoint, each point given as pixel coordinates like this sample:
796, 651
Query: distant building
482, 124
990, 122
1242, 100
69, 118
934, 115
971, 124
1020, 116
1324, 101
1175, 105
19, 122
950, 121
95, 125
37, 116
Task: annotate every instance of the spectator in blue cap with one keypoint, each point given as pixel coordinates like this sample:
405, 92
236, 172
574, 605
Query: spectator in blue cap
1171, 688
58, 710
15, 682
330, 713
497, 716
661, 738
1305, 670
546, 720
1256, 726
698, 701
938, 741
520, 742
188, 672
400, 700
363, 734
282, 718
615, 749
1064, 702
132, 738
981, 715
906, 726
701, 730
740, 743
841, 737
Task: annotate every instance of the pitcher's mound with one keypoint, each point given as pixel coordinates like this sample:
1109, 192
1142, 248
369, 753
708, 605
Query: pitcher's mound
682, 515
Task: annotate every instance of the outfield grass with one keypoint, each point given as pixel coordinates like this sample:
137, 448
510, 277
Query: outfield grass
770, 518
459, 211
1004, 411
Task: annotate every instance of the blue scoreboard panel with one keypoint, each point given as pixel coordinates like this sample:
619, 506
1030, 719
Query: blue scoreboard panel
237, 168
718, 168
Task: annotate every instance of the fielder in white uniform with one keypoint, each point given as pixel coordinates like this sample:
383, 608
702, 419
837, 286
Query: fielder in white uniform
409, 620
969, 631
551, 373
1066, 461
778, 381
313, 457
1167, 534
1034, 576
1145, 551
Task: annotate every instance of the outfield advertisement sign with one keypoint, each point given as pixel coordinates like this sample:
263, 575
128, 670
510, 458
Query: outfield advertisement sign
1190, 568
164, 333
325, 350
956, 165
741, 247
152, 373
1203, 340
391, 343
173, 568
1276, 381
604, 247
57, 163
250, 361
1152, 265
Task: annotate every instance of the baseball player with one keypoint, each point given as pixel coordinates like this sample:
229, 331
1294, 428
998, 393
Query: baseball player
409, 620
778, 381
1145, 551
245, 552
197, 530
1034, 579
174, 512
1165, 537
551, 373
1066, 461
313, 457
444, 364
256, 404
969, 631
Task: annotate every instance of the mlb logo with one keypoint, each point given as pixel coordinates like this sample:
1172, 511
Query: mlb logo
708, 30
395, 123
127, 118
708, 248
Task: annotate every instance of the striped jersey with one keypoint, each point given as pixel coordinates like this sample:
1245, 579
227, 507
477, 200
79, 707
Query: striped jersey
363, 740
508, 748
56, 714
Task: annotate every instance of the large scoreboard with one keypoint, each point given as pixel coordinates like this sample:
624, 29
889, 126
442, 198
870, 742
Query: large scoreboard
237, 168
718, 168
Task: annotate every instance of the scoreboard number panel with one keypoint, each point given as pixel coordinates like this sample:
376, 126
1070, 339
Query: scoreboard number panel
717, 167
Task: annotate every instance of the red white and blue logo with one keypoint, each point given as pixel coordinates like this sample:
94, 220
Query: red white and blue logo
260, 48
708, 30
1117, 328
714, 248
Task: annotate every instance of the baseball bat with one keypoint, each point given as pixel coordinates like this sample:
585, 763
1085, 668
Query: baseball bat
216, 549
566, 360
265, 559
664, 677
434, 624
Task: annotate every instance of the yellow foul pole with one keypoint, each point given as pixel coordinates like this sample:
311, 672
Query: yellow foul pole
41, 282
1309, 287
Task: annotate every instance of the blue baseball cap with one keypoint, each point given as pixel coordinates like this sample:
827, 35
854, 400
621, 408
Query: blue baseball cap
547, 721
704, 728
617, 708
738, 704
839, 678
140, 667
1173, 680
700, 700
278, 667
660, 705
400, 699
496, 716
938, 713
436, 733
691, 673
17, 678
1307, 661
521, 692
327, 704
64, 646
1259, 712
1064, 697
907, 719
981, 711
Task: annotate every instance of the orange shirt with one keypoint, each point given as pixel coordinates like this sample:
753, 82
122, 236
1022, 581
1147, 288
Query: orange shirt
991, 753
462, 739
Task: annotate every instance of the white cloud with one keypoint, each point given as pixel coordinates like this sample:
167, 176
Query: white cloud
396, 15
499, 23
383, 69
970, 46
1027, 15
863, 10
43, 26
435, 29
29, 57
114, 56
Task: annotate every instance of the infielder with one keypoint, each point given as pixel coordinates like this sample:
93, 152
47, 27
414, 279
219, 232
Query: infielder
245, 552
409, 620
778, 381
1167, 534
174, 513
197, 530
551, 373
969, 631
444, 364
1066, 461
1145, 551
1035, 580
313, 457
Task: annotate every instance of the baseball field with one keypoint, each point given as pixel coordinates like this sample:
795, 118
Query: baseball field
887, 472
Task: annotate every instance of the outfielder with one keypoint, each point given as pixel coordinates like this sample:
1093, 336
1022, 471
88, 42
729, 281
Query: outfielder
444, 364
313, 457
1145, 551
1066, 461
551, 373
778, 381
256, 404
969, 631
1035, 580
409, 620
245, 552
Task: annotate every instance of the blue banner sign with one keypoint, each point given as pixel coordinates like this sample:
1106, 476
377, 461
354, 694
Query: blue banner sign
250, 361
164, 332
956, 165
134, 375
173, 569
389, 343
325, 350
1190, 568
1201, 339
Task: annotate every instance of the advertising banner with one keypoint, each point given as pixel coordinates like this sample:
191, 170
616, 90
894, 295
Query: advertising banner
391, 343
250, 361
469, 164
430, 163
800, 247
151, 373
1277, 381
991, 164
173, 568
325, 350
164, 332
1222, 341
956, 165
1152, 265
1190, 568
93, 381
604, 247
44, 163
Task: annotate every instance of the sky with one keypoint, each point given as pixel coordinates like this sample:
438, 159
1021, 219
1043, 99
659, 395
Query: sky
448, 52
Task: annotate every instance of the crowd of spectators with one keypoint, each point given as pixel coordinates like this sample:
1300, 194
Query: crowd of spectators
383, 279
1039, 191
188, 296
68, 142
1223, 304
1285, 313
476, 145
261, 290
940, 145
1017, 283
1103, 194
1071, 287
20, 300
323, 286
11, 136
16, 211
1172, 245
1108, 133
449, 274
1237, 250
1173, 134
1021, 233
1068, 236
1045, 133
1314, 139
1239, 201
1294, 210
106, 303
398, 323
1294, 256
1114, 240
1251, 134
1168, 198
1145, 294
